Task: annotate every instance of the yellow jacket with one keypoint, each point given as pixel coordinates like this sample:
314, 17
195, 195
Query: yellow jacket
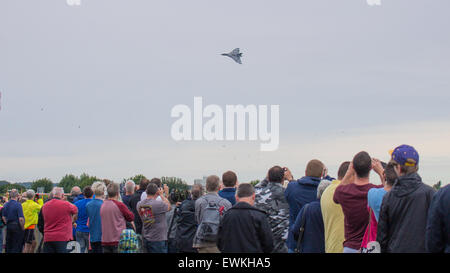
31, 212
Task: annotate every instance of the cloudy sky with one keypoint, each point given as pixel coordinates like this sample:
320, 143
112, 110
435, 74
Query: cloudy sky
90, 88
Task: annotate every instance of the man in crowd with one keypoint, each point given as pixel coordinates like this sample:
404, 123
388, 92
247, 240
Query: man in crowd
153, 216
94, 219
12, 215
351, 194
59, 216
229, 181
82, 230
129, 191
270, 199
404, 211
375, 195
187, 225
135, 198
172, 221
75, 193
310, 218
438, 224
114, 216
158, 183
244, 228
303, 191
333, 217
31, 211
201, 205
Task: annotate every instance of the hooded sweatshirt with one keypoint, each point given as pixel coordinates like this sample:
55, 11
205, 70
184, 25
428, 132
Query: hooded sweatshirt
298, 193
403, 216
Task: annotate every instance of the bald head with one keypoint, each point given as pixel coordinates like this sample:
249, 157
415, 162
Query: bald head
75, 191
58, 192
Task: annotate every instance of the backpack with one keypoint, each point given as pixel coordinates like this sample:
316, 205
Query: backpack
128, 242
207, 230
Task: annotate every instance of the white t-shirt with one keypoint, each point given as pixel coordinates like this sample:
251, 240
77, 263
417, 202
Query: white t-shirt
144, 196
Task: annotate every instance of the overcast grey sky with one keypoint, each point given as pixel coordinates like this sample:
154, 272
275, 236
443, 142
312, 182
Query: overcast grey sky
106, 74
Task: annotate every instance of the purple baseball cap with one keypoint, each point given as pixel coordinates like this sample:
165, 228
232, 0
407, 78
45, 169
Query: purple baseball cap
405, 155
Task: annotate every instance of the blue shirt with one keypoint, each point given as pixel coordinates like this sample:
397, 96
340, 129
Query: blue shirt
82, 215
12, 211
374, 199
126, 200
95, 221
229, 194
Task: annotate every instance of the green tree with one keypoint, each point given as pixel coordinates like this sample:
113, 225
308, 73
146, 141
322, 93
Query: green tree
68, 182
6, 187
137, 179
87, 180
179, 189
175, 183
46, 183
254, 182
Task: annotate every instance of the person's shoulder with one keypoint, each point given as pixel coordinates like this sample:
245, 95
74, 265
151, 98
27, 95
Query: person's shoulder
161, 203
374, 192
140, 202
258, 213
200, 200
70, 205
90, 204
119, 204
277, 189
341, 188
225, 202
292, 184
443, 193
330, 190
313, 206
428, 188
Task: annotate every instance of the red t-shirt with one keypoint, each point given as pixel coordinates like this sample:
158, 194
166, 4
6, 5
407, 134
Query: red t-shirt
58, 220
353, 200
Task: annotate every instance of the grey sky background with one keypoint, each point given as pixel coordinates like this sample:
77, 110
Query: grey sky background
347, 77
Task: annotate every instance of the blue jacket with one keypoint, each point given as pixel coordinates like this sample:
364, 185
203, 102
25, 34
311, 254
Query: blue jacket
437, 238
313, 236
95, 220
82, 215
298, 193
229, 194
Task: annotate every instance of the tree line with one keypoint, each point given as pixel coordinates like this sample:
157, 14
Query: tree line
69, 181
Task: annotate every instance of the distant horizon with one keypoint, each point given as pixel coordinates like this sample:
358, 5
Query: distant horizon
90, 88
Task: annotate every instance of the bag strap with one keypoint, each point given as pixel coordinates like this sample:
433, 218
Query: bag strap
302, 227
370, 223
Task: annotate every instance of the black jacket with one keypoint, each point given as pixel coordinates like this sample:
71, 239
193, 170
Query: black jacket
245, 229
186, 227
403, 216
438, 226
135, 198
